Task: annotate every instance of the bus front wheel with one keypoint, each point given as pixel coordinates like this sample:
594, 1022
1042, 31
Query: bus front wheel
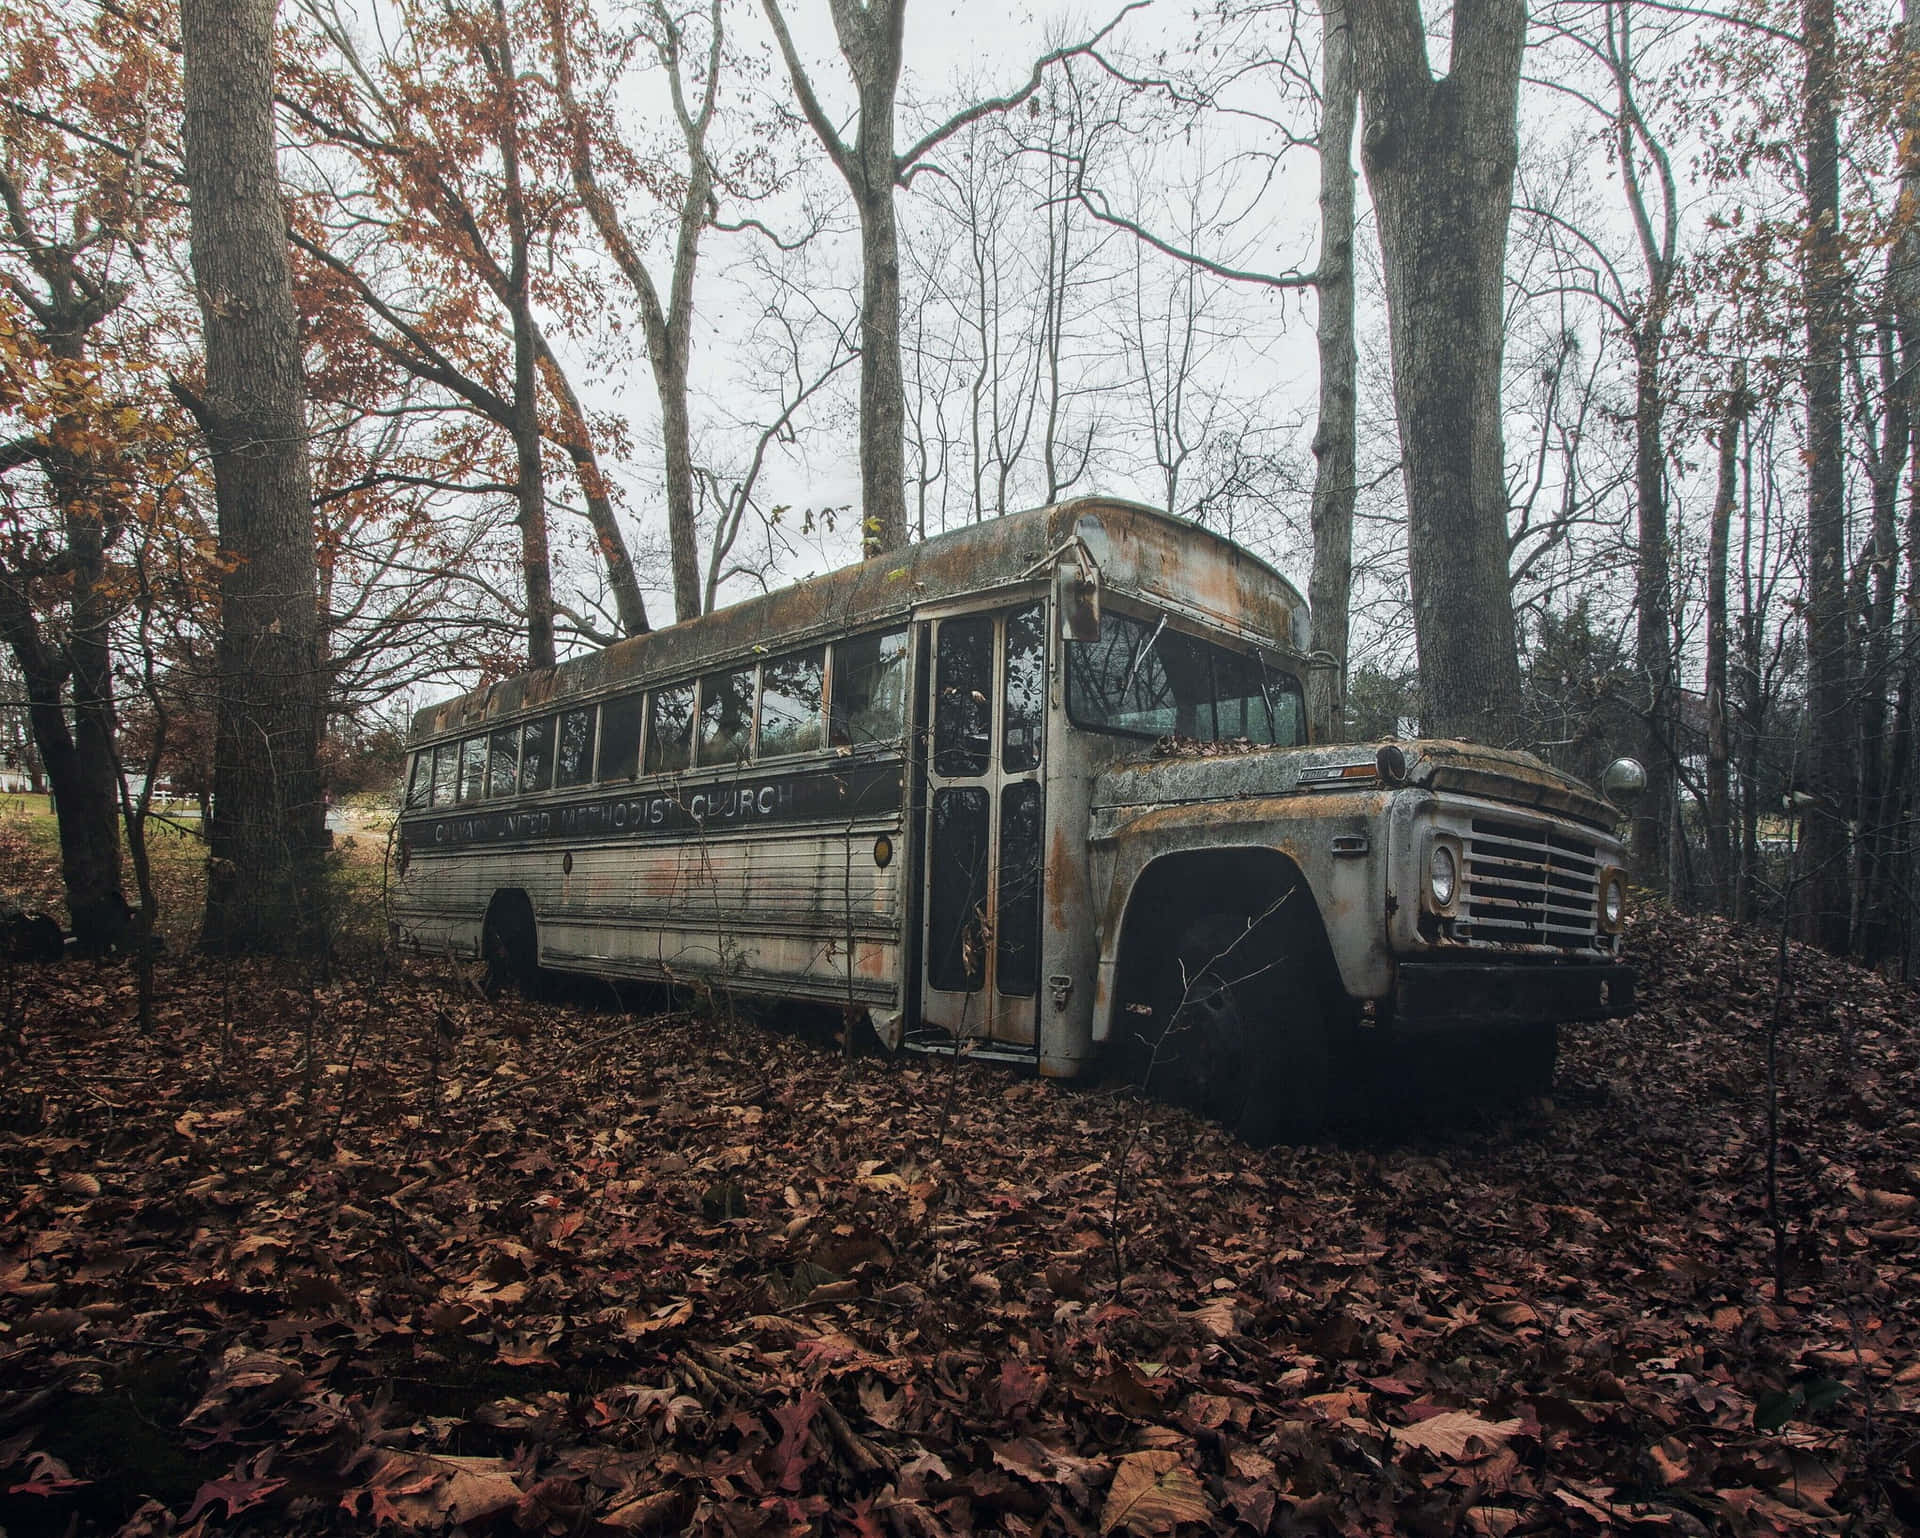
1241, 1034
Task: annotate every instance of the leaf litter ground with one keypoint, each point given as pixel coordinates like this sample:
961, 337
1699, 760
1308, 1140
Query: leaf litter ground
386, 1254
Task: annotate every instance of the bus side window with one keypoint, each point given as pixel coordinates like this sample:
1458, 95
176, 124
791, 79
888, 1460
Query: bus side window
620, 737
573, 759
503, 762
473, 768
726, 717
791, 692
869, 689
446, 761
420, 781
670, 730
536, 755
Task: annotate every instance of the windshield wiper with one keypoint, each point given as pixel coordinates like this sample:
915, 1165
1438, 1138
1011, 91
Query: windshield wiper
1141, 656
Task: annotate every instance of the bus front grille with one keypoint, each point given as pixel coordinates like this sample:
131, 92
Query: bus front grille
1529, 884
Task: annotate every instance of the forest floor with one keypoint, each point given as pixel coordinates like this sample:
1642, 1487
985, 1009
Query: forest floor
372, 1251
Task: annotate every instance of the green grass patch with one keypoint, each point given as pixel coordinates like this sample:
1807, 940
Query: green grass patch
30, 867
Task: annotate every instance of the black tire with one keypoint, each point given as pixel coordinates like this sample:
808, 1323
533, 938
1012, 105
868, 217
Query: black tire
1239, 1029
510, 945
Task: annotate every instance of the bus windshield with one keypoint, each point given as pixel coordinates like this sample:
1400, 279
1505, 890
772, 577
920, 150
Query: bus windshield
1145, 679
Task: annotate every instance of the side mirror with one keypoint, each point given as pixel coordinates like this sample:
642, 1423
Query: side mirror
1623, 781
1076, 597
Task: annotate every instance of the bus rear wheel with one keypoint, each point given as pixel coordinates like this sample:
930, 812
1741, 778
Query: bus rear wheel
1240, 1033
510, 945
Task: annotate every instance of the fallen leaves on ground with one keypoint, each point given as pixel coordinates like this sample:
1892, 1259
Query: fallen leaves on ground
381, 1253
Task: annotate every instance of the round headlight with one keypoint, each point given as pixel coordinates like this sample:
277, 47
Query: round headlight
1613, 902
1443, 872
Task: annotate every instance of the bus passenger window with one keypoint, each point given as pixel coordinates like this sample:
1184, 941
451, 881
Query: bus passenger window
791, 690
670, 730
503, 762
620, 737
473, 768
726, 717
573, 759
1025, 702
869, 689
536, 755
446, 760
420, 781
963, 697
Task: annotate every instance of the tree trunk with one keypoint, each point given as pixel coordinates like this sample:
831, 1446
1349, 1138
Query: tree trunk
268, 816
670, 369
1328, 587
1823, 285
86, 784
1719, 809
1890, 919
883, 426
577, 439
530, 492
1653, 602
668, 329
99, 908
89, 839
1752, 709
870, 37
1440, 156
1875, 906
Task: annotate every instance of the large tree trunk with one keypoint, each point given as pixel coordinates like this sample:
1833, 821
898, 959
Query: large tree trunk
1719, 804
268, 816
1440, 156
1328, 586
1826, 851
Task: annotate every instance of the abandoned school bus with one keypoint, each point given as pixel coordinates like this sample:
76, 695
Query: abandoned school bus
1042, 787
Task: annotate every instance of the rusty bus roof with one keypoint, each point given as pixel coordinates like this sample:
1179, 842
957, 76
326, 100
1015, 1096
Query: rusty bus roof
1141, 552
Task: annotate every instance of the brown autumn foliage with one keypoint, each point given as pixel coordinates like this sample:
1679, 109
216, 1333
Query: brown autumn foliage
379, 1253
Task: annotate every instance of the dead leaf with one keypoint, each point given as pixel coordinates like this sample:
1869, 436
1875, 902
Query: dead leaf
1154, 1492
1456, 1434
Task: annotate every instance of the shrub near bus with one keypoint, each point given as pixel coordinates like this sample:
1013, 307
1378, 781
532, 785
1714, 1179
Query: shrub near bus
1041, 787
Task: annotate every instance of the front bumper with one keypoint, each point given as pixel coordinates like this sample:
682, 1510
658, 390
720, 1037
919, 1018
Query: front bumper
1431, 996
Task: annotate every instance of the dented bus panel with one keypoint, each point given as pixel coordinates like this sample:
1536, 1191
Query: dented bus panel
1041, 788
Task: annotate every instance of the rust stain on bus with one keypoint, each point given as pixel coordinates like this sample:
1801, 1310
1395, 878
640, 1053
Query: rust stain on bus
1066, 883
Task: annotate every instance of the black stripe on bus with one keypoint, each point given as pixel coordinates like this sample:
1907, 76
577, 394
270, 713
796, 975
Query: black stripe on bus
694, 806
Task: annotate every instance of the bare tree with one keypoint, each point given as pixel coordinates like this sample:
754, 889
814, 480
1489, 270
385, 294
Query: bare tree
694, 86
871, 34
